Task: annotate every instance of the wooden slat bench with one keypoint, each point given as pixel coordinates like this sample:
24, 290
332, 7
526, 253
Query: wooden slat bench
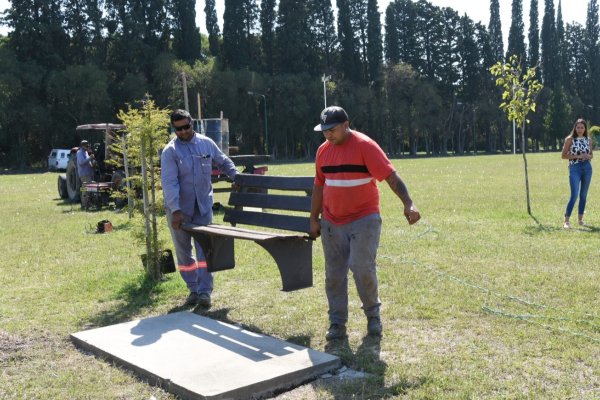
252, 203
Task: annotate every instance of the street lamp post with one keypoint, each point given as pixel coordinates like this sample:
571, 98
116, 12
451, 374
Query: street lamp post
266, 124
325, 79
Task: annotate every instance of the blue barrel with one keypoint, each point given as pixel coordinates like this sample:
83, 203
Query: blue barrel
218, 130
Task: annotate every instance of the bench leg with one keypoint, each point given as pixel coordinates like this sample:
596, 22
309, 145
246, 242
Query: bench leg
294, 260
218, 250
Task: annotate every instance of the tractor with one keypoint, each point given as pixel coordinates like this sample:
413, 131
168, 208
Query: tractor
108, 178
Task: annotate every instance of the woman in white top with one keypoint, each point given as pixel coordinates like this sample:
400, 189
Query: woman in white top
578, 150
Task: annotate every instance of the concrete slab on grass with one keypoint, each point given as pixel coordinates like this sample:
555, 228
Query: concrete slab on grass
196, 357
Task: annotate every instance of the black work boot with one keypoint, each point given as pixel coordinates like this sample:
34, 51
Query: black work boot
192, 300
204, 299
336, 331
374, 326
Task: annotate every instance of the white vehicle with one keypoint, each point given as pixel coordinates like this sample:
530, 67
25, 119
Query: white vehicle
58, 159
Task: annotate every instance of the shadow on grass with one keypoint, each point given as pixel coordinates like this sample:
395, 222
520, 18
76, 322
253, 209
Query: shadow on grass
135, 296
543, 228
367, 359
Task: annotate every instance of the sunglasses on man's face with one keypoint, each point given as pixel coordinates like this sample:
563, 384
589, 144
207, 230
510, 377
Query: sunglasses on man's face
182, 127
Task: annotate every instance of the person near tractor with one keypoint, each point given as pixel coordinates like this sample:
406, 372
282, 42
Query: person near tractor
85, 168
346, 197
186, 166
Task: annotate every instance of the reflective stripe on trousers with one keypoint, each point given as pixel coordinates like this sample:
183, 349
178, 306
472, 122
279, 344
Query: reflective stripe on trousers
192, 268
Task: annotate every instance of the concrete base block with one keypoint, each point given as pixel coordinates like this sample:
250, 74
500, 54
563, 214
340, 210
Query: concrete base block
196, 357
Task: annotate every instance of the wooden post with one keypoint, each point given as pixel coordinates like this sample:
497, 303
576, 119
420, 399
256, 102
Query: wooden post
185, 93
199, 108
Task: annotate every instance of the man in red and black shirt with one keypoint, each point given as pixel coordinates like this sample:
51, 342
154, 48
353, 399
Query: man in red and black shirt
346, 197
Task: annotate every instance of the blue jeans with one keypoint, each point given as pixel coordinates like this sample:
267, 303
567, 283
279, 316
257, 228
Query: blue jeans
580, 176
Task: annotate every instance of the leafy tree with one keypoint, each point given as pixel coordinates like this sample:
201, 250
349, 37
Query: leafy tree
144, 137
520, 90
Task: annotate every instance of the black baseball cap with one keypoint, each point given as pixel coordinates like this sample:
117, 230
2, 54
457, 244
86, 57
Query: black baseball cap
330, 117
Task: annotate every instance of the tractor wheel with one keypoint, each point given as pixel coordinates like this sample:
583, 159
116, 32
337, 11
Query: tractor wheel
62, 186
73, 184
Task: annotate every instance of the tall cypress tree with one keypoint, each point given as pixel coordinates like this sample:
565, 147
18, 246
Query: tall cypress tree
516, 35
534, 35
232, 35
560, 42
375, 44
401, 32
267, 33
292, 32
350, 52
239, 48
186, 35
575, 37
469, 60
495, 30
392, 51
212, 27
549, 45
592, 30
430, 37
323, 38
448, 73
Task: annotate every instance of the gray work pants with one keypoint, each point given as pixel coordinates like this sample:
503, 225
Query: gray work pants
193, 269
353, 247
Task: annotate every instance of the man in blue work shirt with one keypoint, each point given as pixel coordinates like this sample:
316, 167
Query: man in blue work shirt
186, 164
85, 168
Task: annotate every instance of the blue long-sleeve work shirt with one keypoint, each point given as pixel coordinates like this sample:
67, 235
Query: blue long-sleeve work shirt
84, 163
186, 169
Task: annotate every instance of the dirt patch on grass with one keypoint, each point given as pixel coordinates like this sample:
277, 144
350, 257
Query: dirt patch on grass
12, 346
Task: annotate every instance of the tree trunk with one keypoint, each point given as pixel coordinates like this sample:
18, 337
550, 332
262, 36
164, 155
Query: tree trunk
525, 164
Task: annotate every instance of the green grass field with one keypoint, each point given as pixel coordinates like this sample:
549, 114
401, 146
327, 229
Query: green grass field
480, 300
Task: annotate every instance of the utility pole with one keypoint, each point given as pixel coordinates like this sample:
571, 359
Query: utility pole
325, 79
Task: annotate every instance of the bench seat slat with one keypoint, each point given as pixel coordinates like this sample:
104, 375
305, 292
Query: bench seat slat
270, 201
238, 233
268, 220
302, 183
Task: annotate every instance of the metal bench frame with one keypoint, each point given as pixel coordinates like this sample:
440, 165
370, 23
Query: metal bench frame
292, 252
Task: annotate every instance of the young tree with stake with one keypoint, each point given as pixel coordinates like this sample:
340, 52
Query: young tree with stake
518, 99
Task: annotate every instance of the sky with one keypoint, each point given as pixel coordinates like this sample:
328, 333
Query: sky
477, 10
